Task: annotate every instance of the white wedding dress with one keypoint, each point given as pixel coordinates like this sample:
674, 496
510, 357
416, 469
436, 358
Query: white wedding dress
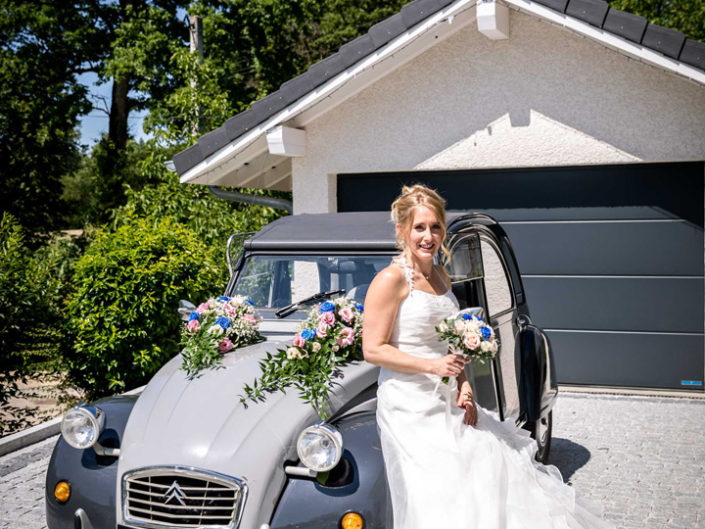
443, 473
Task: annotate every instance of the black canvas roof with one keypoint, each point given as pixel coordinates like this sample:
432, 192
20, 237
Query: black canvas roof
635, 28
369, 230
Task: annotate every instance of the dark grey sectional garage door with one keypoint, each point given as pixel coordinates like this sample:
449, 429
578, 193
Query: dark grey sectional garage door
611, 259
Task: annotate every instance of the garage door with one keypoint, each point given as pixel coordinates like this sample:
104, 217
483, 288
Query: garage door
611, 258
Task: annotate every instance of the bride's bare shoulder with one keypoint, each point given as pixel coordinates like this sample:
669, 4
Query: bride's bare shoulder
390, 281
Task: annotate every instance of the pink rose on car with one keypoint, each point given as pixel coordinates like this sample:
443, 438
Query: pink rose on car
193, 326
322, 330
225, 345
327, 318
203, 307
299, 341
346, 314
249, 318
347, 337
471, 340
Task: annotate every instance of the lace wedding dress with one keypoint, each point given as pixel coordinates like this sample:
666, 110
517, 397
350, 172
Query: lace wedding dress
443, 473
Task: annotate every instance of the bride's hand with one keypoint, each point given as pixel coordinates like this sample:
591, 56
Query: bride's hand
450, 365
465, 400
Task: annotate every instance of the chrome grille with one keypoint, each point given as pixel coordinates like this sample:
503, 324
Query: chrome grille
182, 497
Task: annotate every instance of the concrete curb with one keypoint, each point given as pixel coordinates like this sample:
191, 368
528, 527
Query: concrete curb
39, 432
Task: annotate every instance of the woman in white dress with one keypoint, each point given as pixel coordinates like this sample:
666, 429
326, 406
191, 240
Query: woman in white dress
449, 462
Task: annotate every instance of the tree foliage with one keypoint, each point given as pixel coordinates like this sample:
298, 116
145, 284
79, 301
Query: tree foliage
687, 16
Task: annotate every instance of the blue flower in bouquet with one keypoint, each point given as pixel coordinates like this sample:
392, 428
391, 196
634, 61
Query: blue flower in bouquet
466, 316
486, 332
223, 322
308, 334
250, 302
359, 307
224, 298
327, 307
194, 316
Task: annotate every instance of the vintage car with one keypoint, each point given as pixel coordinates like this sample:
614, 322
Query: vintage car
187, 453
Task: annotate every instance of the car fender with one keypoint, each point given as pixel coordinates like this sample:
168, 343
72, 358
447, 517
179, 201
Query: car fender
92, 478
537, 386
307, 503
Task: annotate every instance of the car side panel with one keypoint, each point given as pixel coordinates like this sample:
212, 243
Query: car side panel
307, 503
92, 478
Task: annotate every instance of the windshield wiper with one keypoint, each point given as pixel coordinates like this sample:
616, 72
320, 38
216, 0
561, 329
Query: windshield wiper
289, 309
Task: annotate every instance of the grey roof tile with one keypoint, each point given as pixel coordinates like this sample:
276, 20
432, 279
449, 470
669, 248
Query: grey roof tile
631, 27
693, 53
667, 41
389, 28
591, 11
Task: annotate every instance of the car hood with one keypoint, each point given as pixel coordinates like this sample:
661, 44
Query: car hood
200, 422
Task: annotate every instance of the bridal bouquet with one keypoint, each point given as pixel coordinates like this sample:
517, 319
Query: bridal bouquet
330, 338
216, 327
468, 335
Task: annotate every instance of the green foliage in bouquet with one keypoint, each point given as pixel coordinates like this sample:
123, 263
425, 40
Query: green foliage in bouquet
216, 327
330, 338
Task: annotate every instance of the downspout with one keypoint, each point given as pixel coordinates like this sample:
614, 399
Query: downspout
233, 196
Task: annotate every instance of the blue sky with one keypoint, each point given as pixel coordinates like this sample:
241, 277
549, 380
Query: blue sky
95, 123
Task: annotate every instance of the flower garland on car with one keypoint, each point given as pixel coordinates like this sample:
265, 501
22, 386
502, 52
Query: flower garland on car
468, 335
330, 338
216, 327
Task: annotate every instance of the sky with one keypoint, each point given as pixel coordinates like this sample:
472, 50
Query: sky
95, 123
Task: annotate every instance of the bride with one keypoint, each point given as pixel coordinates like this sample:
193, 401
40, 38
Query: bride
449, 462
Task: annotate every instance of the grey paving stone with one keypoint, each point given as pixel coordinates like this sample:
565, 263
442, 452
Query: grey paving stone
641, 460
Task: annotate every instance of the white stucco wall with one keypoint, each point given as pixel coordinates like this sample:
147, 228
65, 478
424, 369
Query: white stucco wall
543, 97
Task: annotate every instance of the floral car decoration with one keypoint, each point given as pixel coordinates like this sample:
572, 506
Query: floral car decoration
469, 335
216, 327
330, 337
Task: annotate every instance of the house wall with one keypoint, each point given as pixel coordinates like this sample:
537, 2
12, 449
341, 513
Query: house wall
543, 97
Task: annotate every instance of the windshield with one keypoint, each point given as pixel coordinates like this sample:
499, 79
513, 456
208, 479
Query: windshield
275, 281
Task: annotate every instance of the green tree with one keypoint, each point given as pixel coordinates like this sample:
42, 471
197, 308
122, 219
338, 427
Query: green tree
40, 101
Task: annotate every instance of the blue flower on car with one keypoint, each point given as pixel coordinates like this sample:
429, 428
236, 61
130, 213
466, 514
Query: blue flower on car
359, 307
250, 302
466, 316
194, 316
224, 298
327, 307
223, 322
486, 332
308, 334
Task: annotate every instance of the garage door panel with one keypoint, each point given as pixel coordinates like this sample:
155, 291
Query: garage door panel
620, 304
622, 359
608, 248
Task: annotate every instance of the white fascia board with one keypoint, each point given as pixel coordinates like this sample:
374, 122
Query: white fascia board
636, 51
392, 55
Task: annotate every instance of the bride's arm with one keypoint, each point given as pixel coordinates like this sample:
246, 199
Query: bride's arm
385, 294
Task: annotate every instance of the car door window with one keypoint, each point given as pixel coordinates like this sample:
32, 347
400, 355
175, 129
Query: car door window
497, 284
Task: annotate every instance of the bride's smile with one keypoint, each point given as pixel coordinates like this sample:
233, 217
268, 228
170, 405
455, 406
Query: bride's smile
425, 237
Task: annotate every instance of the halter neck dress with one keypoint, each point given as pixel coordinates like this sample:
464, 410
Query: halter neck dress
443, 473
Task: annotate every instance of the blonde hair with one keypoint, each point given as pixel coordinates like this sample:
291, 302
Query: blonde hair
403, 213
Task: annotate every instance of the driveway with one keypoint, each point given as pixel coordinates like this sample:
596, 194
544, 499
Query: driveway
640, 459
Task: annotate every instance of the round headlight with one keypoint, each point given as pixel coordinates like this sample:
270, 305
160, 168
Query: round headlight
81, 426
320, 447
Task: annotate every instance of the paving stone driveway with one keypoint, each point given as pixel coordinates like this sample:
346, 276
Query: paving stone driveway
641, 459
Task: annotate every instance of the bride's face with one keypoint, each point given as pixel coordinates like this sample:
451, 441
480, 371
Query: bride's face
426, 234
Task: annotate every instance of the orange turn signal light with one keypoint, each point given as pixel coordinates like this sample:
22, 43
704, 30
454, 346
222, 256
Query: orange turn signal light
62, 492
352, 520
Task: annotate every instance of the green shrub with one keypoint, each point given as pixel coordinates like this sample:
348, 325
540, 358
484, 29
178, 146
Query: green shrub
15, 304
123, 314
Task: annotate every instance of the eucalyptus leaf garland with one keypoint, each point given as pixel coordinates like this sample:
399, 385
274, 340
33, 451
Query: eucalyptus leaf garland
330, 338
